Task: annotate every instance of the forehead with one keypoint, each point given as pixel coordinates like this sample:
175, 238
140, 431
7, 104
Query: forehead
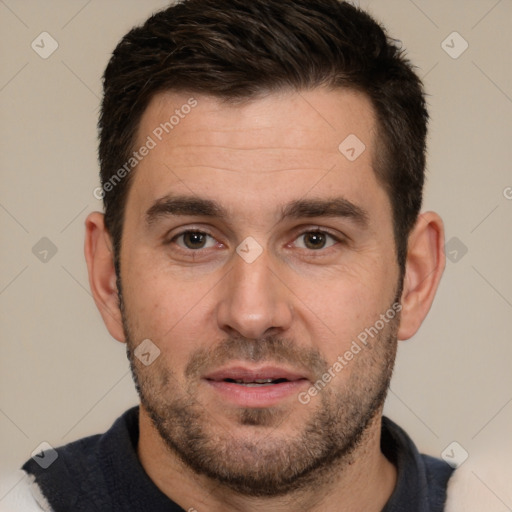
278, 145
316, 119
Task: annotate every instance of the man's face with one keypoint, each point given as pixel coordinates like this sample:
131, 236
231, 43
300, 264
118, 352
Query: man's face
274, 278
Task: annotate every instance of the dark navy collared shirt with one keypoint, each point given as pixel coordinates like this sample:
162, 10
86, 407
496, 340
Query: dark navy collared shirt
102, 473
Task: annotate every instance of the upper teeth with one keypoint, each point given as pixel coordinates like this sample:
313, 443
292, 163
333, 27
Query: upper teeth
257, 381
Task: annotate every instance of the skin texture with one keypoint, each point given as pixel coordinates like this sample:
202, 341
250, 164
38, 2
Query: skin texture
299, 305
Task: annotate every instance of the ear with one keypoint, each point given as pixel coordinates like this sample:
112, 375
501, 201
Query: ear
424, 268
102, 276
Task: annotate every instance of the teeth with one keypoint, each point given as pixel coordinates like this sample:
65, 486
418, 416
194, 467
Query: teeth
256, 381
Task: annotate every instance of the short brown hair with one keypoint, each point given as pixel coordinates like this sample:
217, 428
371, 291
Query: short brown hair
239, 49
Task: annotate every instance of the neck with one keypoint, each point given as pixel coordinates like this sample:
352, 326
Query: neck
363, 483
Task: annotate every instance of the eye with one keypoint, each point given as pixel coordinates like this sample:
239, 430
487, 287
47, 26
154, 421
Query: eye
194, 240
315, 240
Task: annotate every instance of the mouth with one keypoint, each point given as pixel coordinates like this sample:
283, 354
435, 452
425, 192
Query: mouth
257, 382
264, 376
255, 387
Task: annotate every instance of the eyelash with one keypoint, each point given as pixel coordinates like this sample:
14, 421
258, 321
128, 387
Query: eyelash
336, 239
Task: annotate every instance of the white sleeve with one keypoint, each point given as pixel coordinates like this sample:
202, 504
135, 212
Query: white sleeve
19, 493
483, 483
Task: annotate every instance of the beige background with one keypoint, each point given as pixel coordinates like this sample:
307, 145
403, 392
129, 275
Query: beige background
62, 376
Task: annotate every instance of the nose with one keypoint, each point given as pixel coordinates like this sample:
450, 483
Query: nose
254, 301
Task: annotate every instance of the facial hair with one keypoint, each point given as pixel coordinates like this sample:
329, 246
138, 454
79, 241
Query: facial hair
263, 462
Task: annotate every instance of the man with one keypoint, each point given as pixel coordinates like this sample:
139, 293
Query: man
261, 252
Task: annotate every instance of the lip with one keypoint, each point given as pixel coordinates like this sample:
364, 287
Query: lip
257, 396
250, 374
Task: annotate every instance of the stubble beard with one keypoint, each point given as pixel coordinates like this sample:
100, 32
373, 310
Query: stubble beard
263, 462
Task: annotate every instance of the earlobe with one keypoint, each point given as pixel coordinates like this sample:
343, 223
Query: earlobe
102, 276
424, 268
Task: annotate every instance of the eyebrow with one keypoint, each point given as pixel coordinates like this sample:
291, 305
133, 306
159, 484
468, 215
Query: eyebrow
301, 208
330, 207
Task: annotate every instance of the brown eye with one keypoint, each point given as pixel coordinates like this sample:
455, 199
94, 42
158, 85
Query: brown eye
315, 240
193, 240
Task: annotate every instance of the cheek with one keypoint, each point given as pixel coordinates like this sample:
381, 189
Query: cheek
340, 306
175, 313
